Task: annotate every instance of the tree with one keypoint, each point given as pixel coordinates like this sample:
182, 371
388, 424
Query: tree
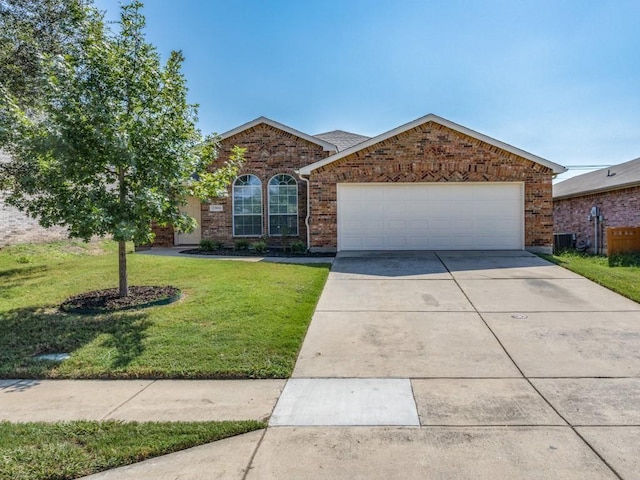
111, 143
29, 29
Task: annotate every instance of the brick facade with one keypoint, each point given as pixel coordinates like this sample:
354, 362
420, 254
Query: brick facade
270, 151
163, 236
432, 153
620, 208
16, 227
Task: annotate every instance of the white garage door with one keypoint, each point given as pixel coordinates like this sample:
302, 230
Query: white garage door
431, 216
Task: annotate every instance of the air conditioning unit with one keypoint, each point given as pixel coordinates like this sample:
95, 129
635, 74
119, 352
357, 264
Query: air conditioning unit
563, 242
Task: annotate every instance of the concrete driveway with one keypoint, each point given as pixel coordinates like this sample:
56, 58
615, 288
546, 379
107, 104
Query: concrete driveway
442, 365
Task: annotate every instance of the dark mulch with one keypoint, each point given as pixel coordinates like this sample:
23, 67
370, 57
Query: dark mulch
110, 301
272, 252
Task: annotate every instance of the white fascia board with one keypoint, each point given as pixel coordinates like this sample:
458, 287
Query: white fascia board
326, 146
556, 168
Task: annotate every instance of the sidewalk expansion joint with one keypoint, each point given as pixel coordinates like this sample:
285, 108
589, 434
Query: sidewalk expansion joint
113, 410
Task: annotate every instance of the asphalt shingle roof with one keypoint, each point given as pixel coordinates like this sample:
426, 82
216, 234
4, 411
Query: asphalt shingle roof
342, 139
619, 176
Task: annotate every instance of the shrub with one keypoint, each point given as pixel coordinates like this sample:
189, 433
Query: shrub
209, 245
260, 247
298, 246
284, 236
241, 245
628, 259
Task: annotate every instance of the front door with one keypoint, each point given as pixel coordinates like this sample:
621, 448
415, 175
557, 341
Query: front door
192, 208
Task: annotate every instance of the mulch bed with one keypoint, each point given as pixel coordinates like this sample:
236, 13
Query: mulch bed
229, 252
106, 301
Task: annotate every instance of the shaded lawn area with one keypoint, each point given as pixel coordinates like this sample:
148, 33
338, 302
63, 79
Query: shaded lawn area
60, 451
624, 278
235, 320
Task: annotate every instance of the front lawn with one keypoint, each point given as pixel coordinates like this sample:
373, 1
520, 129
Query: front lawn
60, 451
624, 280
236, 320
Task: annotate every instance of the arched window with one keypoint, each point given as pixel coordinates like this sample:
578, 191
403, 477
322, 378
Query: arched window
247, 206
283, 205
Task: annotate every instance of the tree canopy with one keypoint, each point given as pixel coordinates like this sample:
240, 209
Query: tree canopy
30, 29
105, 142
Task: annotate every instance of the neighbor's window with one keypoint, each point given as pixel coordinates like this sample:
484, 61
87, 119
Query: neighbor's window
247, 206
283, 205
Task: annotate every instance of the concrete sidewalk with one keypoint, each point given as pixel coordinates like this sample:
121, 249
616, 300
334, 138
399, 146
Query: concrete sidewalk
138, 400
416, 365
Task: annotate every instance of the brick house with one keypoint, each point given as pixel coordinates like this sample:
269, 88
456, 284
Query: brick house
613, 191
428, 184
16, 227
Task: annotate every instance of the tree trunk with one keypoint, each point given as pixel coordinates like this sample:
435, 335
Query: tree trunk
122, 269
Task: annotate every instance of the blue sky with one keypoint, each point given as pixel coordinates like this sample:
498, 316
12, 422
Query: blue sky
560, 79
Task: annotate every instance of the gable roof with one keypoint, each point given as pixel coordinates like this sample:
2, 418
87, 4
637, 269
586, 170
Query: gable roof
342, 139
556, 168
624, 175
326, 146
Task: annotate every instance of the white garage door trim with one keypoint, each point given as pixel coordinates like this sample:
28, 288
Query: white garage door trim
430, 216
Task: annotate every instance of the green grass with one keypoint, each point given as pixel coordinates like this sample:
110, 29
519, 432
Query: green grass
58, 451
236, 319
624, 279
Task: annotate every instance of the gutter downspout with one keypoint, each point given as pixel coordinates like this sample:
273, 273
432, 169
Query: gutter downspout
306, 220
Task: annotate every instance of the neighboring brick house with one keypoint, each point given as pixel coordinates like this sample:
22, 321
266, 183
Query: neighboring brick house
428, 184
16, 227
615, 191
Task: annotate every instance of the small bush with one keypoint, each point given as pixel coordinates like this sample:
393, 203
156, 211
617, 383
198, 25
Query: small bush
298, 246
241, 245
284, 237
209, 245
260, 247
628, 259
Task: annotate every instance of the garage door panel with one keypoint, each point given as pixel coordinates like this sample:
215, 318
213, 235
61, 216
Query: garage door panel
373, 243
439, 225
351, 212
417, 226
417, 209
391, 226
372, 227
430, 216
395, 209
463, 242
351, 194
417, 242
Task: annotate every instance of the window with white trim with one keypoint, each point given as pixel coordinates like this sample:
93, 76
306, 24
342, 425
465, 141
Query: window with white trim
283, 205
247, 206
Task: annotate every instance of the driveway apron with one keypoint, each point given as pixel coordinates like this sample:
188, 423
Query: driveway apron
460, 365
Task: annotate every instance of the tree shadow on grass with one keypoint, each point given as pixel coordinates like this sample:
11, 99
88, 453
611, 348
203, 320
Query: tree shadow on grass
16, 277
28, 332
21, 273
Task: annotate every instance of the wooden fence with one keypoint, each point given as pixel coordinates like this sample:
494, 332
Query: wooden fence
623, 239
